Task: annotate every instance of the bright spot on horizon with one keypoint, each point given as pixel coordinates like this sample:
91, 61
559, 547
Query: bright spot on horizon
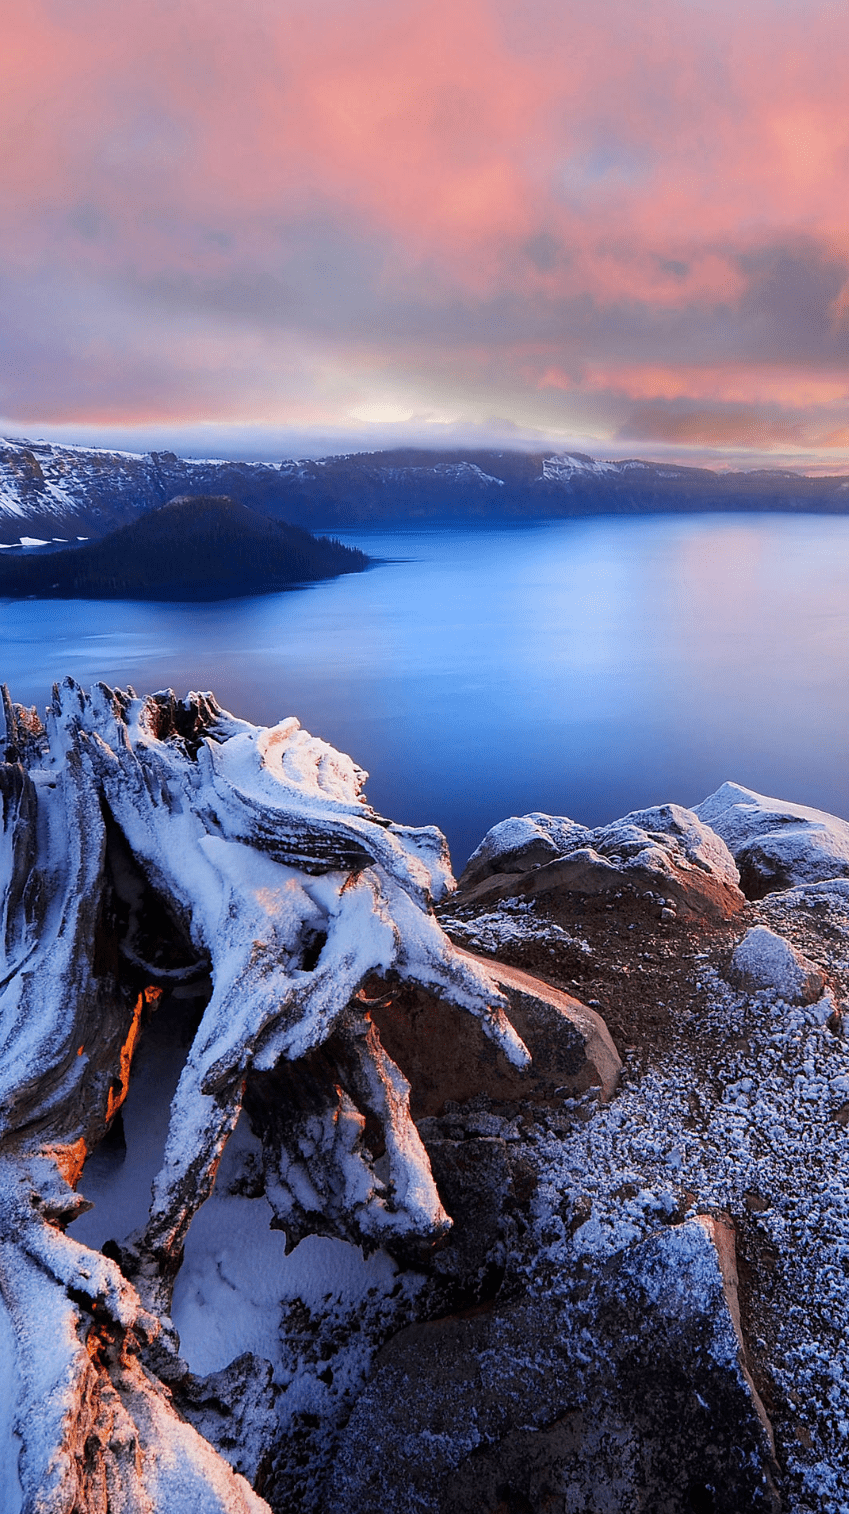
382, 413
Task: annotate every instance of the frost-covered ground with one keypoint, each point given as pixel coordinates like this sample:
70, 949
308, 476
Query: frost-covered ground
742, 1109
513, 921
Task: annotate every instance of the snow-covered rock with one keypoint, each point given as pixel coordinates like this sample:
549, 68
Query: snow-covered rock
146, 842
763, 960
776, 845
197, 907
77, 493
667, 848
448, 1062
628, 1393
523, 842
566, 466
88, 1427
258, 845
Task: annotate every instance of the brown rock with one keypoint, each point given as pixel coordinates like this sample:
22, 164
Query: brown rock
586, 872
446, 1057
665, 851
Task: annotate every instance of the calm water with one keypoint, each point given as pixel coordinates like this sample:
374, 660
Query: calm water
579, 667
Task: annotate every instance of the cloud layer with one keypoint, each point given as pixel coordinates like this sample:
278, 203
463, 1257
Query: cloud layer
622, 223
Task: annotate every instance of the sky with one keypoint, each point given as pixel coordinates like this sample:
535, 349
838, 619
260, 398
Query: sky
302, 226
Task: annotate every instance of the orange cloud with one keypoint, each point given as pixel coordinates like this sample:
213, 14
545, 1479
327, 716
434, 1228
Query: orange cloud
707, 427
731, 383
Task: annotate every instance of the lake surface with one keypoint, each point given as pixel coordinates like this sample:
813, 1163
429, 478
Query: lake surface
583, 668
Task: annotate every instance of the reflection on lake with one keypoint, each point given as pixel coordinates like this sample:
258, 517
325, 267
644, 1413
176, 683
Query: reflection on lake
579, 667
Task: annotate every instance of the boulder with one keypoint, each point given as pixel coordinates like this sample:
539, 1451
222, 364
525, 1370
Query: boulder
506, 1409
521, 843
470, 1104
448, 1060
667, 852
776, 845
763, 960
234, 1410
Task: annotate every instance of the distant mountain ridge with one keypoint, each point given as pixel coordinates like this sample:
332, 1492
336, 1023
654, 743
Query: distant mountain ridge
53, 493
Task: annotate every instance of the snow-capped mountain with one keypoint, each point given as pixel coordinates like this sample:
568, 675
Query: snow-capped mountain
51, 494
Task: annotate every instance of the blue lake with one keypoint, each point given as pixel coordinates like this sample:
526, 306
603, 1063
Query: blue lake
580, 667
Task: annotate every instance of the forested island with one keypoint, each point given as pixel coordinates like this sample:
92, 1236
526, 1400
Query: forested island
195, 547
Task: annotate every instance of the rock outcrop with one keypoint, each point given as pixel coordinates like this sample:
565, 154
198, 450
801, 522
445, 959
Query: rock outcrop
630, 1393
776, 845
666, 852
550, 1219
156, 839
448, 1060
764, 960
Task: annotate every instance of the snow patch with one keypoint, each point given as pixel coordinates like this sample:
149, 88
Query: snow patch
236, 1275
10, 1444
118, 1176
562, 468
781, 844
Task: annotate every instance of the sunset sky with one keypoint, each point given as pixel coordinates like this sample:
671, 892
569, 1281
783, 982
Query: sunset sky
264, 226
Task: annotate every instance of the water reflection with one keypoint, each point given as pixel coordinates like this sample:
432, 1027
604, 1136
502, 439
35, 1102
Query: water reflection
581, 667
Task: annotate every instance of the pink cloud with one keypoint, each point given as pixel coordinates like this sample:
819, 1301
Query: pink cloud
490, 202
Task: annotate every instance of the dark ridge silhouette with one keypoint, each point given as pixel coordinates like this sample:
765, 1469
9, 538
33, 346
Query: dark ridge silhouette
195, 547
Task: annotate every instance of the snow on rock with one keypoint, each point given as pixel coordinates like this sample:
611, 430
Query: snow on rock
236, 1274
260, 846
235, 1299
95, 1430
510, 921
644, 836
293, 1310
763, 960
607, 1396
776, 845
446, 1056
147, 844
565, 466
665, 848
523, 842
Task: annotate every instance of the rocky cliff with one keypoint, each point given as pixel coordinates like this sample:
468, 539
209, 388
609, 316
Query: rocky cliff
521, 1196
